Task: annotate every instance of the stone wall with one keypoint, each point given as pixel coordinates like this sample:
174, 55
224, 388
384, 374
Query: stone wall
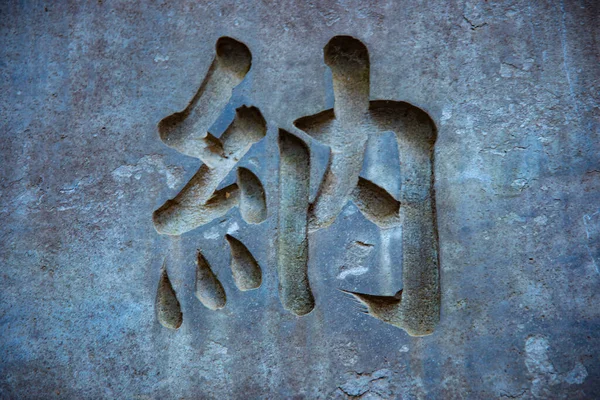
459, 161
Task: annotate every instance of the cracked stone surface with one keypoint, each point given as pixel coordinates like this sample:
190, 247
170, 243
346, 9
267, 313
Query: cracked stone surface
514, 90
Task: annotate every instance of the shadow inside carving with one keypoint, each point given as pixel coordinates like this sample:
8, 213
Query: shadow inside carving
376, 204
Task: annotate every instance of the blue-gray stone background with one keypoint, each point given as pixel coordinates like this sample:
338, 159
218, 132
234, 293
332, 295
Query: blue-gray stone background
514, 89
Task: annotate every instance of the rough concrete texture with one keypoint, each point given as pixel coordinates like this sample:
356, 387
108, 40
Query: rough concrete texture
513, 88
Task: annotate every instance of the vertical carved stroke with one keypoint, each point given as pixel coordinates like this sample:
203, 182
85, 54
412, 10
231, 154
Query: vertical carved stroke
292, 241
348, 59
347, 134
420, 262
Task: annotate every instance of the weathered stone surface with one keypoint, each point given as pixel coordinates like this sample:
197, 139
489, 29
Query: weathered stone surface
513, 90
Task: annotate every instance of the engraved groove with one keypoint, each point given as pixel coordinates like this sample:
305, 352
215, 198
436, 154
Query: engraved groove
348, 60
253, 203
292, 241
354, 122
198, 202
209, 290
168, 309
343, 129
246, 272
187, 131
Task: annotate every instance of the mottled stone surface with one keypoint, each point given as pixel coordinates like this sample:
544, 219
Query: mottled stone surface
513, 87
